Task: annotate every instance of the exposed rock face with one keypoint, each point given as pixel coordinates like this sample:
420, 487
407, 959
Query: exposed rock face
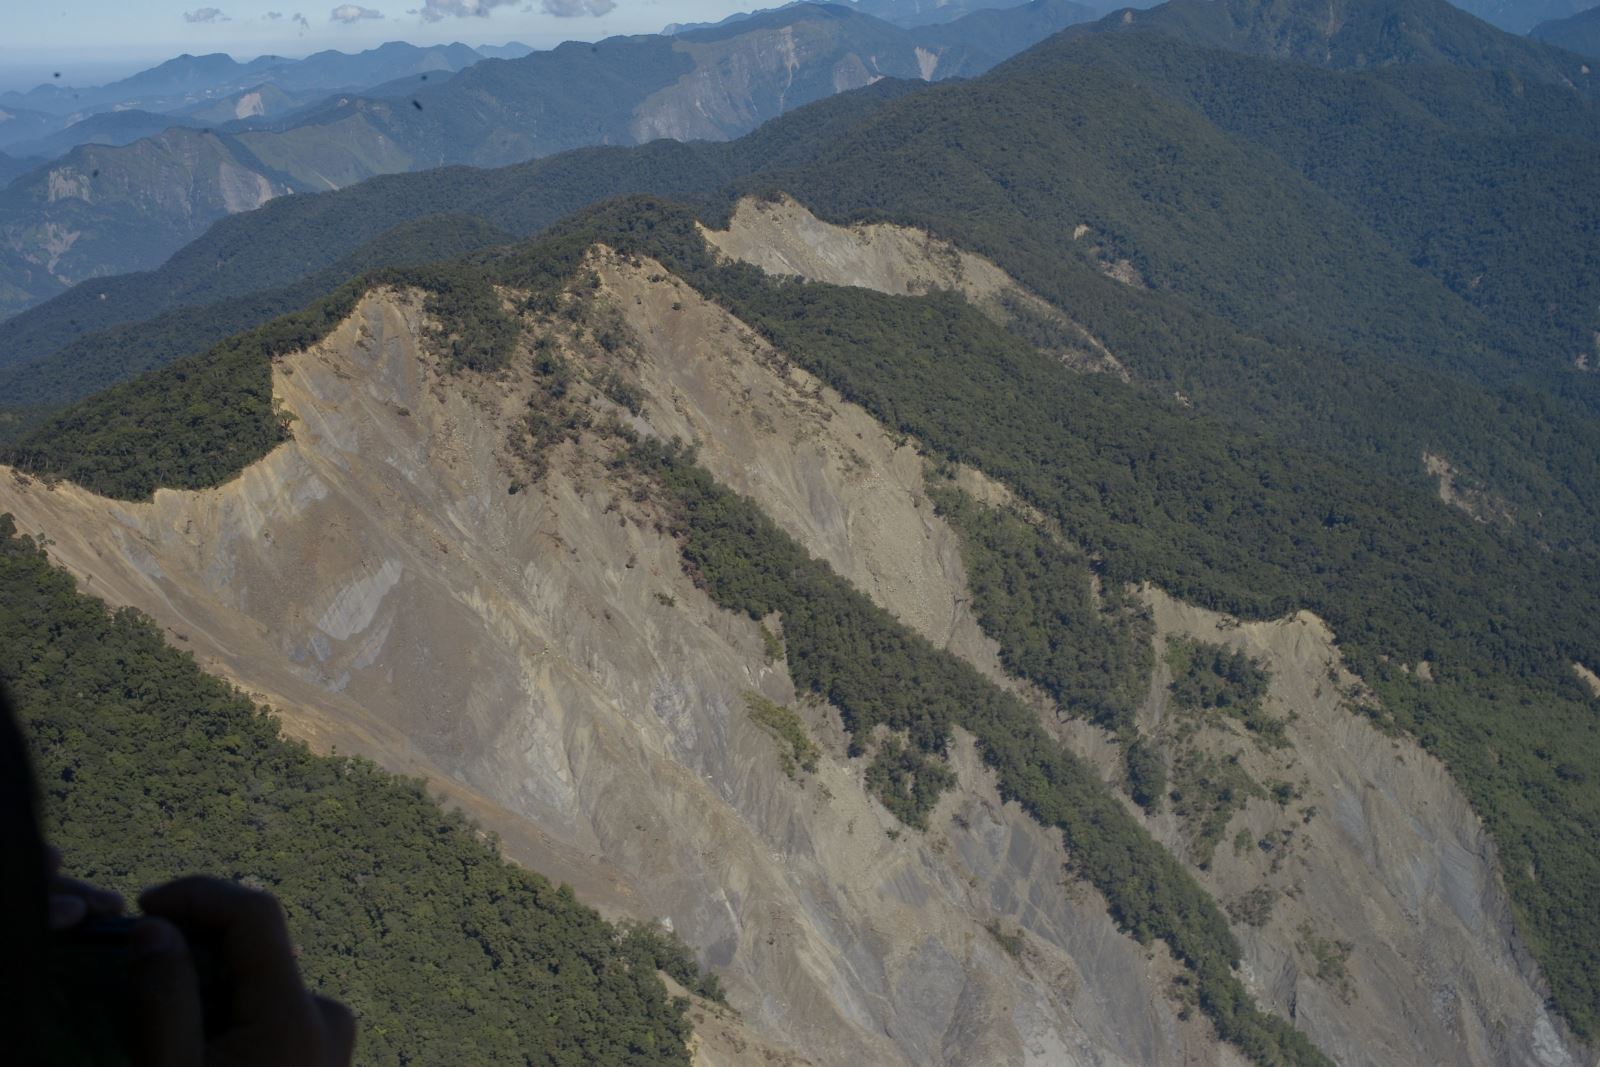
783, 237
1456, 490
1378, 850
57, 228
542, 657
737, 84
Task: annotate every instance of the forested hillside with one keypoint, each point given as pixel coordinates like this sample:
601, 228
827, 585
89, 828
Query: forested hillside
1360, 34
1377, 344
1414, 154
866, 664
129, 733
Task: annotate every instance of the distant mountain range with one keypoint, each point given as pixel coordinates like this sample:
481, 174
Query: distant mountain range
1520, 16
188, 80
1580, 33
211, 90
107, 210
254, 265
1358, 35
907, 13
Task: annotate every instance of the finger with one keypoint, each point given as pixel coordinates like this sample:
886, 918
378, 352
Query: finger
97, 900
66, 912
164, 1018
253, 940
340, 1027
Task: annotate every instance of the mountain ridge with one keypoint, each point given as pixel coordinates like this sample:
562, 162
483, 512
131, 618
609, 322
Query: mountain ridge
494, 113
1578, 33
1358, 34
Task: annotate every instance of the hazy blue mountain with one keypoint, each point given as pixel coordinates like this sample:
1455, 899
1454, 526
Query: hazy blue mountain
509, 50
1579, 33
265, 101
706, 85
186, 80
181, 76
228, 267
1357, 35
926, 12
397, 59
1520, 16
906, 13
21, 124
106, 128
209, 90
12, 166
1011, 28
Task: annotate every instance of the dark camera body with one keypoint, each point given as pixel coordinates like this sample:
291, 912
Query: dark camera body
90, 992
87, 971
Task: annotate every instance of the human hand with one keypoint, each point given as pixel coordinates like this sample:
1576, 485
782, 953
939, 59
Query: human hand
72, 901
269, 1018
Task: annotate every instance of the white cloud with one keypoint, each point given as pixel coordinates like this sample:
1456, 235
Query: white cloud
305, 23
348, 13
571, 9
434, 10
205, 14
437, 10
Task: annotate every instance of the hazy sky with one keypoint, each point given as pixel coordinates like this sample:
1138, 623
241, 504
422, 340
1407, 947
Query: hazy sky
92, 41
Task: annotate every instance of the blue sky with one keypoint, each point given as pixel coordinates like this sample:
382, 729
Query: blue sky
92, 41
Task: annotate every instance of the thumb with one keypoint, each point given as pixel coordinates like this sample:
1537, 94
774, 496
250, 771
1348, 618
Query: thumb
164, 1015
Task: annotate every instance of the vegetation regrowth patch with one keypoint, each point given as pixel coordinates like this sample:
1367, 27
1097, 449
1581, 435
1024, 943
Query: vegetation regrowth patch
879, 674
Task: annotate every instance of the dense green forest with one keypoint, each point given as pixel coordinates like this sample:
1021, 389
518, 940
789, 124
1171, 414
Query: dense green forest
1365, 36
879, 673
1035, 597
1272, 303
1308, 282
445, 952
1295, 258
1414, 154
